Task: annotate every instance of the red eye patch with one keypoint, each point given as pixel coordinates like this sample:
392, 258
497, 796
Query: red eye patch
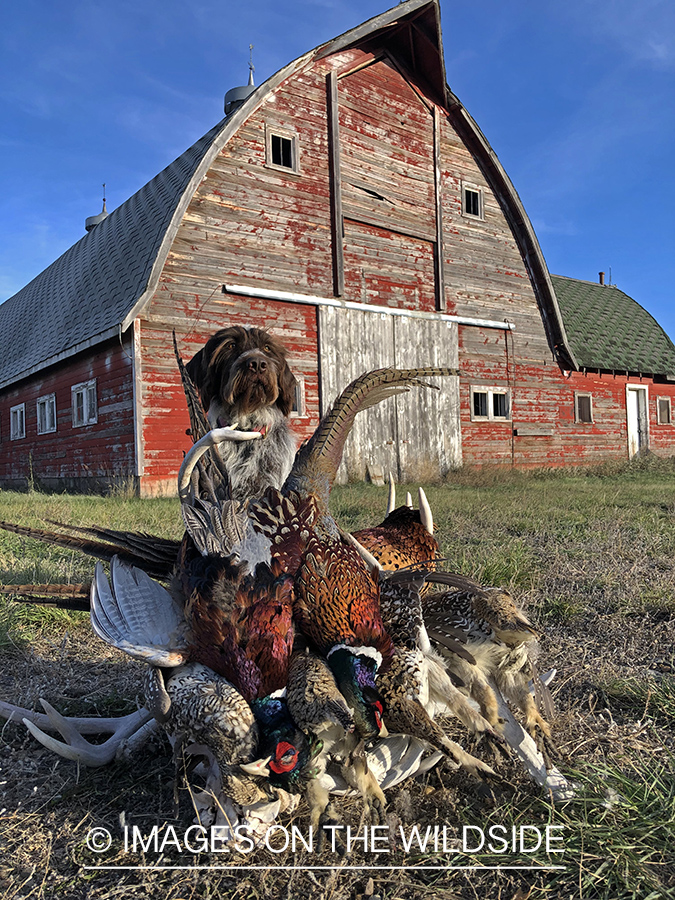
377, 708
285, 758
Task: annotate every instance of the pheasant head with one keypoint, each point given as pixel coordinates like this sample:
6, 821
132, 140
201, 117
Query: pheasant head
354, 669
287, 753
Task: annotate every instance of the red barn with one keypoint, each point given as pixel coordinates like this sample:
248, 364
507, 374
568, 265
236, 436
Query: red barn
353, 206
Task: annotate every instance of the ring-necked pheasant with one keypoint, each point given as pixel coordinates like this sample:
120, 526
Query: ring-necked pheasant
405, 536
486, 624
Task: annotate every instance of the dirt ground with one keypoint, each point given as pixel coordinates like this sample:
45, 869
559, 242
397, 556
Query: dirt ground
48, 807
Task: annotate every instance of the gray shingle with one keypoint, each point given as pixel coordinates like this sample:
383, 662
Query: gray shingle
93, 286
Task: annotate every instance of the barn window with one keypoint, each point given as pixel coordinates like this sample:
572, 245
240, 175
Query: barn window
583, 408
46, 414
500, 405
282, 150
85, 409
17, 422
480, 404
472, 201
298, 408
490, 404
663, 410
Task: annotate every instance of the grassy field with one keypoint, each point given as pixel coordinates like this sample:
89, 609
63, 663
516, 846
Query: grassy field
592, 556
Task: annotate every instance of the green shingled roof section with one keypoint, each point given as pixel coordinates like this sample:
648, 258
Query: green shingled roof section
608, 330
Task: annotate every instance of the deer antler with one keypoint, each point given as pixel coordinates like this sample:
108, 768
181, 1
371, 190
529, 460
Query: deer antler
212, 439
127, 732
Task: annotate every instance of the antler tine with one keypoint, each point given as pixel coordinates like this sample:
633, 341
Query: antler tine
212, 439
425, 511
365, 555
126, 731
391, 501
551, 779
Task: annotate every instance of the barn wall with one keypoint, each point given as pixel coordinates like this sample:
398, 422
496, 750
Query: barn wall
90, 457
542, 430
255, 224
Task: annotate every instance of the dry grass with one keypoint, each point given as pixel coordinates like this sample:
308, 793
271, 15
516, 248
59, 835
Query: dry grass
593, 557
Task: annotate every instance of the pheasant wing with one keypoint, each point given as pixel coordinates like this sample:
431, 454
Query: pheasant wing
137, 615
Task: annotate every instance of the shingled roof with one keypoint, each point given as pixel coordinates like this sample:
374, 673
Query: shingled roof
609, 330
88, 292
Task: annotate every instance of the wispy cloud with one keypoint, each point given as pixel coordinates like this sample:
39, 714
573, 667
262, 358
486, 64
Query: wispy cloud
642, 30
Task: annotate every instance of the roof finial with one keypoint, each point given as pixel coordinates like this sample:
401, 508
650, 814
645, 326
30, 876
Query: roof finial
251, 67
92, 221
236, 96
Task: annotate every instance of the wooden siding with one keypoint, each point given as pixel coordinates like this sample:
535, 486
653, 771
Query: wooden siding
89, 457
387, 152
416, 436
387, 268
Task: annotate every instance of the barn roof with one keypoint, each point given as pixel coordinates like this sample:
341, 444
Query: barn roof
85, 295
609, 330
96, 289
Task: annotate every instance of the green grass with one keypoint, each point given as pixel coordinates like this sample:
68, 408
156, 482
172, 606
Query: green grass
644, 697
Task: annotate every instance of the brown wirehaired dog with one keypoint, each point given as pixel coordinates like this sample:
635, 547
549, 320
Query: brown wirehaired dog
244, 381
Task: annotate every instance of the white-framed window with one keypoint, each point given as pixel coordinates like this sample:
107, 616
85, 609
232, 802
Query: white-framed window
46, 414
472, 200
663, 411
298, 408
583, 408
490, 404
17, 422
83, 399
281, 149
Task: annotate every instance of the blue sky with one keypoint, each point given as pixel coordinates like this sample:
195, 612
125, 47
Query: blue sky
576, 99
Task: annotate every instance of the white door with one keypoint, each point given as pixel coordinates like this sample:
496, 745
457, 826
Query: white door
638, 420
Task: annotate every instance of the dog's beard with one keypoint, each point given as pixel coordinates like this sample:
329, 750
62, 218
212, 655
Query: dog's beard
247, 391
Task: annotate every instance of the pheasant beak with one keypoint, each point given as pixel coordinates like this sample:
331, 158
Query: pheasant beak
259, 767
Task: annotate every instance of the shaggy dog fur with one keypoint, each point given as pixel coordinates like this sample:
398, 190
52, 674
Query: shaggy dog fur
244, 381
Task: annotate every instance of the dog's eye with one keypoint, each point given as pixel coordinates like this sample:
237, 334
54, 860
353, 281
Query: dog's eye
267, 348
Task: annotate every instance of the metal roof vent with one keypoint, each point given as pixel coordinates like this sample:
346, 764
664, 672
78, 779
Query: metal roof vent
92, 221
236, 96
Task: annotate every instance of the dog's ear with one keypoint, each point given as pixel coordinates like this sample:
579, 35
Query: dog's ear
195, 368
199, 371
287, 383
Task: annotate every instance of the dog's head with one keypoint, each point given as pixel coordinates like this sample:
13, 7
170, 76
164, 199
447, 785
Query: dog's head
242, 370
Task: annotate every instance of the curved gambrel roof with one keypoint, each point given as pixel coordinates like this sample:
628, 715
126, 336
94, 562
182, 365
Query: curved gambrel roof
101, 284
611, 331
84, 296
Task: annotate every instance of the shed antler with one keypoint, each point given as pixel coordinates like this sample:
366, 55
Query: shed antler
126, 732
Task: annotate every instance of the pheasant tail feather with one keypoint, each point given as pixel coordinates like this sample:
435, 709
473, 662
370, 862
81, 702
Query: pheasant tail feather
321, 455
199, 425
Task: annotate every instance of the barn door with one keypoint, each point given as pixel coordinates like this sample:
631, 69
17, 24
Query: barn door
638, 420
416, 435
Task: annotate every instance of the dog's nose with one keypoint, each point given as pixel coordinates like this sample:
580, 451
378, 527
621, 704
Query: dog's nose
257, 365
